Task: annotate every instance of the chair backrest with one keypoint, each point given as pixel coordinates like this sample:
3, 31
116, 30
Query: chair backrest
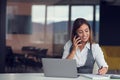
9, 59
43, 53
28, 48
9, 50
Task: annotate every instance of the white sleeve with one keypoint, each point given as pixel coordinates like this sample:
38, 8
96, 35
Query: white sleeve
98, 54
66, 49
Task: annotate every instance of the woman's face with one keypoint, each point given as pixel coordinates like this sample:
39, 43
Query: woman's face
84, 33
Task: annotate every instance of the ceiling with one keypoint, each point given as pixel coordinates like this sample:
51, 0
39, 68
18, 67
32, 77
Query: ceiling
71, 2
58, 1
112, 2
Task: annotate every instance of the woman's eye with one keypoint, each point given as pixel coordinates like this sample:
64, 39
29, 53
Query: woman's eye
80, 32
86, 31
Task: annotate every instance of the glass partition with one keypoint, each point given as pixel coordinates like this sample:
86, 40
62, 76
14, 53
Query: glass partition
44, 25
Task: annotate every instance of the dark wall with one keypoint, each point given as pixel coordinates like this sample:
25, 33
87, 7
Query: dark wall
109, 24
2, 34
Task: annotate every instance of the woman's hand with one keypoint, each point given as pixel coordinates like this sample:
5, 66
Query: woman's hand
102, 70
76, 42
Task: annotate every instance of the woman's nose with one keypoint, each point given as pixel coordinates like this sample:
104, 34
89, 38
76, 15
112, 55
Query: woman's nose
84, 33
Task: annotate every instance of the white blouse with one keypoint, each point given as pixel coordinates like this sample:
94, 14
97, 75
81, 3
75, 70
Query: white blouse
81, 56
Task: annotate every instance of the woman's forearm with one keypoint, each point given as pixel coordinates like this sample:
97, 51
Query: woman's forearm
71, 55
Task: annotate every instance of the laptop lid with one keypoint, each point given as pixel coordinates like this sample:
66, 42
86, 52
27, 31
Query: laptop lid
53, 67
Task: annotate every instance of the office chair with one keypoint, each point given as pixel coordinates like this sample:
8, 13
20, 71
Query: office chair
11, 61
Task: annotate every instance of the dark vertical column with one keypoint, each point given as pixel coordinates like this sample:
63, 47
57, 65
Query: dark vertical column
45, 25
2, 34
94, 19
69, 23
109, 24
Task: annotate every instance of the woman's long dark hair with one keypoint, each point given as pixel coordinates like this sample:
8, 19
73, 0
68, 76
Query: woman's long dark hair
77, 24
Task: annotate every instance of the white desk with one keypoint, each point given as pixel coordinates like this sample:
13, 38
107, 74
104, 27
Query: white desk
34, 76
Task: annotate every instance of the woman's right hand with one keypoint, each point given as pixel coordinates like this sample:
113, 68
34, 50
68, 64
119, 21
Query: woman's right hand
76, 40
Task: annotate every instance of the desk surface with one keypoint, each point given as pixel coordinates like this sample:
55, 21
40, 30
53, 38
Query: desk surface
34, 76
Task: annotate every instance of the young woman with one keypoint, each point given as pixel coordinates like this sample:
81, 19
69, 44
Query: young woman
83, 49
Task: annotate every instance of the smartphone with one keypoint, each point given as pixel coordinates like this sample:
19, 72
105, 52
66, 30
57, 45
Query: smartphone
77, 37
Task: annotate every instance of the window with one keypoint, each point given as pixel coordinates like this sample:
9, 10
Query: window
44, 26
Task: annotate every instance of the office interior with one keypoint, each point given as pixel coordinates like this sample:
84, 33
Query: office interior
33, 29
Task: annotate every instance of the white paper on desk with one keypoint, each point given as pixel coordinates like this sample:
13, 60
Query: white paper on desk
114, 76
95, 76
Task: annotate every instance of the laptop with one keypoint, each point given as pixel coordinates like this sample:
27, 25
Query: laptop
53, 67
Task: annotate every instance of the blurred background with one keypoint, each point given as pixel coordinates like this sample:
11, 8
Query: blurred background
33, 29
